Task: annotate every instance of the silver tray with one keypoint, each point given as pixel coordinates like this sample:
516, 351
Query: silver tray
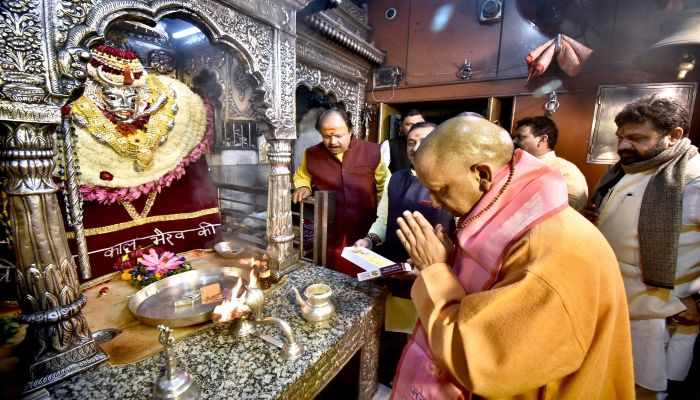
155, 304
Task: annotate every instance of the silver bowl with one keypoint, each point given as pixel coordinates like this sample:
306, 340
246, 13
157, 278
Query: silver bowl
228, 249
105, 335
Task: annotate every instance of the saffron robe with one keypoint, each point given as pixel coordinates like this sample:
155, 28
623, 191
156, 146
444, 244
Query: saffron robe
548, 320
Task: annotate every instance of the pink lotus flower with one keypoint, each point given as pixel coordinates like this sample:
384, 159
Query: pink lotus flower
161, 264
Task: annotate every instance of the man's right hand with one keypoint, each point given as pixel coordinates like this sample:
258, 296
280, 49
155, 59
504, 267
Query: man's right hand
422, 244
364, 242
300, 194
691, 316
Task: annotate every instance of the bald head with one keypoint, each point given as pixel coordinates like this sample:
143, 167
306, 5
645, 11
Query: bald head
466, 141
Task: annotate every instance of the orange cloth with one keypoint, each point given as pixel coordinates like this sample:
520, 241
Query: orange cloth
554, 325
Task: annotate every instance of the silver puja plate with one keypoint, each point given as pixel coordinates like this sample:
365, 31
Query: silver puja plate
156, 303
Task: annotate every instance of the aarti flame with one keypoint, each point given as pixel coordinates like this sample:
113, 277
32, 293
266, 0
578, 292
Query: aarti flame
235, 305
246, 262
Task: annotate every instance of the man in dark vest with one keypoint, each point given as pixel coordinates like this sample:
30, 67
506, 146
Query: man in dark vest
394, 149
351, 168
404, 192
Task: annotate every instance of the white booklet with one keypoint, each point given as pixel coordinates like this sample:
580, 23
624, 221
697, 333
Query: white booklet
375, 266
365, 258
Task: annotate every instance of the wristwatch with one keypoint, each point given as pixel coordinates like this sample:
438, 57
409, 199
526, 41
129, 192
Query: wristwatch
374, 240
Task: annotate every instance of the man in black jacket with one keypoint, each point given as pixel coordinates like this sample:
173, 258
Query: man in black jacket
394, 150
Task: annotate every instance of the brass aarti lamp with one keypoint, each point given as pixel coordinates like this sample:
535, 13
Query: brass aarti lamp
246, 324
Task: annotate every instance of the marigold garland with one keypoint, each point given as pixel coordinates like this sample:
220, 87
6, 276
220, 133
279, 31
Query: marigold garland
111, 195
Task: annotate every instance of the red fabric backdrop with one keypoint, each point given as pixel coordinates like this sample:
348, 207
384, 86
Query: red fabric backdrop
193, 192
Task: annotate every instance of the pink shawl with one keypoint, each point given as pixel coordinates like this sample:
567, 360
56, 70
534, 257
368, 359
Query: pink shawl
535, 193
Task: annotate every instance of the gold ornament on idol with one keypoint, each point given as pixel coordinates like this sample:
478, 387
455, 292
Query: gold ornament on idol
146, 208
142, 145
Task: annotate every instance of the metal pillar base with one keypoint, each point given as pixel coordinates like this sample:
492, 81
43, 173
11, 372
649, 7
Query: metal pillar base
56, 359
37, 369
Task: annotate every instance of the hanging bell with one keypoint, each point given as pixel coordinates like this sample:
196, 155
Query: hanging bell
678, 47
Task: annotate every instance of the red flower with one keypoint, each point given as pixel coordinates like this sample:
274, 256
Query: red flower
112, 51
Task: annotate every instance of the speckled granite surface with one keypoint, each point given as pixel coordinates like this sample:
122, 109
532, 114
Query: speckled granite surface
226, 367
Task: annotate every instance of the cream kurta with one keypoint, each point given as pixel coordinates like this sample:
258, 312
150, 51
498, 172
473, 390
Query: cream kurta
618, 220
554, 326
576, 184
659, 354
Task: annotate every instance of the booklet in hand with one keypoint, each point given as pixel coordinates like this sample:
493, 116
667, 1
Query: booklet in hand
384, 271
375, 266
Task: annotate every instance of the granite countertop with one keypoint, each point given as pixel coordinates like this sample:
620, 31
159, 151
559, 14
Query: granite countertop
227, 367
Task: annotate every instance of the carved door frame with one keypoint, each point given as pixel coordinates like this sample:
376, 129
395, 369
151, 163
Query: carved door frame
266, 52
346, 91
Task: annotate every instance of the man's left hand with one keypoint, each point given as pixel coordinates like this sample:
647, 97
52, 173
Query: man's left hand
421, 241
691, 316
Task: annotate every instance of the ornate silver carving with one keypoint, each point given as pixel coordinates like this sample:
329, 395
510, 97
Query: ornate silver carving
329, 83
160, 42
70, 13
23, 112
256, 40
72, 62
344, 91
272, 11
215, 59
161, 61
239, 98
27, 158
347, 39
356, 12
22, 67
351, 18
74, 201
58, 340
280, 251
357, 108
249, 37
287, 59
243, 89
311, 55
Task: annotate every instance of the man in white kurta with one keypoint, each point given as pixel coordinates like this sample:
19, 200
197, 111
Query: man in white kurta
538, 136
664, 320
